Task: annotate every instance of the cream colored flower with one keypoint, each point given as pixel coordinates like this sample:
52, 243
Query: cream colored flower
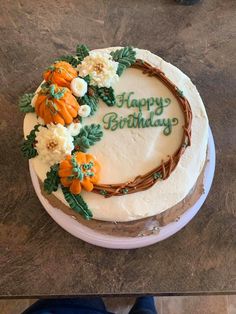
74, 128
53, 143
84, 111
101, 69
79, 87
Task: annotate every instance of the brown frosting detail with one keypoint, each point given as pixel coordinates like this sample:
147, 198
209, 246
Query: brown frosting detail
163, 171
137, 228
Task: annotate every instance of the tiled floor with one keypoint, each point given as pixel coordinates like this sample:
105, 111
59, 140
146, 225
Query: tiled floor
165, 305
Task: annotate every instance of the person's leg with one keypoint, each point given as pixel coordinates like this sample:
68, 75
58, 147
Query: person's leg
187, 2
144, 305
70, 306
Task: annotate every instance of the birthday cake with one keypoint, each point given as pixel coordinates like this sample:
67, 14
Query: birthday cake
115, 135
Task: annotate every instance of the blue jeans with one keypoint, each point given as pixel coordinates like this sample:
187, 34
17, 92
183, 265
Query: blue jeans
143, 305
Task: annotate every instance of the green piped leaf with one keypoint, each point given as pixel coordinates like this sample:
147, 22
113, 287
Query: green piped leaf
180, 92
70, 59
77, 203
90, 99
54, 94
27, 147
52, 180
88, 136
25, 103
107, 95
125, 57
82, 51
120, 69
87, 79
45, 86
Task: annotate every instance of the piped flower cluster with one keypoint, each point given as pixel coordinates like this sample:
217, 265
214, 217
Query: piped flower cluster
57, 101
57, 105
70, 92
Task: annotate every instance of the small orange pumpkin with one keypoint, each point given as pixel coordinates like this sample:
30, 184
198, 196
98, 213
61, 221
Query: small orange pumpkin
79, 170
60, 73
56, 105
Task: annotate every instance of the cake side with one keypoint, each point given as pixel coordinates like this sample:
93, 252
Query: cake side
135, 228
165, 194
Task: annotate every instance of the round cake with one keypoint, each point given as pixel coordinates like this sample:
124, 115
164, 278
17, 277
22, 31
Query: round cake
115, 134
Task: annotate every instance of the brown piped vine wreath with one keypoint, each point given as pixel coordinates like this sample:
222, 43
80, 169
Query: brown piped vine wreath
163, 171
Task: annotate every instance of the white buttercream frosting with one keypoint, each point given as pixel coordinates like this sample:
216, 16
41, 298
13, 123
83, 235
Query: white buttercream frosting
79, 87
84, 111
74, 128
126, 153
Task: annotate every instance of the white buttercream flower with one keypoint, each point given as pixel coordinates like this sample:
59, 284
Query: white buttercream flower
84, 111
101, 69
79, 87
74, 128
53, 143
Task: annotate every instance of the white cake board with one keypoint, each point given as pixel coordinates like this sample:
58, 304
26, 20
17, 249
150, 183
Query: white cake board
89, 235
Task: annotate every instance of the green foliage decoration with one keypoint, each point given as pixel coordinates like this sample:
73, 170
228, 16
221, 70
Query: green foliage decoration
82, 51
125, 57
70, 59
27, 147
52, 180
90, 99
25, 103
77, 203
88, 136
107, 95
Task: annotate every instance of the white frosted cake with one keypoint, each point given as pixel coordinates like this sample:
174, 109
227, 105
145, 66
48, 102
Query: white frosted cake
118, 134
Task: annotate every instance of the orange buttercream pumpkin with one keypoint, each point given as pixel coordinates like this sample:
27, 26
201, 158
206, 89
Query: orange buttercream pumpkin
79, 170
56, 105
60, 73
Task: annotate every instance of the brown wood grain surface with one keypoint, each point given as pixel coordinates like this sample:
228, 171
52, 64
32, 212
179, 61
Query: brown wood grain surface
37, 257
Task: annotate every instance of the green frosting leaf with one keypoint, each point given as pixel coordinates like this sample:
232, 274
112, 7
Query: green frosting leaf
90, 99
125, 57
107, 95
180, 92
88, 136
120, 69
82, 51
25, 103
87, 79
70, 59
52, 180
77, 203
56, 95
45, 87
27, 147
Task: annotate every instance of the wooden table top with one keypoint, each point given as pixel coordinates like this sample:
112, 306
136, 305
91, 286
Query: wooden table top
37, 257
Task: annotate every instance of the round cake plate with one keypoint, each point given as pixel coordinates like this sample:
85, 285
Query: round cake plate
84, 233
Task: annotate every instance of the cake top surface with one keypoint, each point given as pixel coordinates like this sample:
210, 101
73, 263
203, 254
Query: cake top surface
138, 149
140, 125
